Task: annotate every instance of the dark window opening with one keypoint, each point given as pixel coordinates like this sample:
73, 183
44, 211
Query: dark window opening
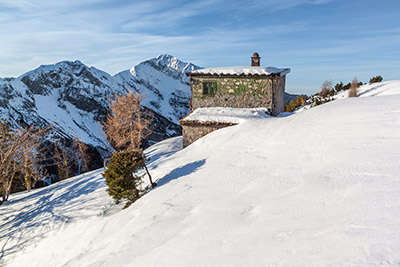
208, 88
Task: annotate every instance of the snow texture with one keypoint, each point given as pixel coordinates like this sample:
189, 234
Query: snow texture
226, 115
374, 89
317, 188
242, 70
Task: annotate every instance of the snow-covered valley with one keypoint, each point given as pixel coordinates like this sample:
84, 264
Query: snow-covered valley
317, 188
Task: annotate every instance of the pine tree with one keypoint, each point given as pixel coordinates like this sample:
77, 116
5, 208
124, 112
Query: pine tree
339, 87
121, 178
376, 79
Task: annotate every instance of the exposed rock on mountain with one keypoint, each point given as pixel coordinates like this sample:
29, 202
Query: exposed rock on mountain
74, 97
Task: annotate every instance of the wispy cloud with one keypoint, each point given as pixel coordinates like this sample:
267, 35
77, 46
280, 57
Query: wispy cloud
311, 36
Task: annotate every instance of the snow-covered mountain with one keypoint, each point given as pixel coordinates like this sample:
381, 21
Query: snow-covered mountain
75, 97
163, 83
316, 188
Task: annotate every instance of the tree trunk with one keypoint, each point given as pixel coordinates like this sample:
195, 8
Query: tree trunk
10, 182
148, 173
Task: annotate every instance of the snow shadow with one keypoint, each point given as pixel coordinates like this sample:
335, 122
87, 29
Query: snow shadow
180, 172
48, 208
373, 89
155, 159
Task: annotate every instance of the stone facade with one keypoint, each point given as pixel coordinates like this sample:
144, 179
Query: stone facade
240, 92
192, 132
279, 96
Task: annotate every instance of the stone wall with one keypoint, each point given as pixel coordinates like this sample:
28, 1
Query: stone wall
279, 96
239, 92
191, 133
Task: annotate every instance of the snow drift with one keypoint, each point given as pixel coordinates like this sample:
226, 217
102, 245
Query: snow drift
319, 188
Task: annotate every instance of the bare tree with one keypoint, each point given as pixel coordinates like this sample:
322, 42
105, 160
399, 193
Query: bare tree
326, 89
62, 160
82, 155
66, 163
128, 124
28, 169
353, 91
19, 155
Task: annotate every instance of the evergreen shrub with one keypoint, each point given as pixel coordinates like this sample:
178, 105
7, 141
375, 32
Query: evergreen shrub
376, 79
121, 176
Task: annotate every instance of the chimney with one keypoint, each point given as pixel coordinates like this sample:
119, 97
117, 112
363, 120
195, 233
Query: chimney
255, 60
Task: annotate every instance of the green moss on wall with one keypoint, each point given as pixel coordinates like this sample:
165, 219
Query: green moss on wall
233, 86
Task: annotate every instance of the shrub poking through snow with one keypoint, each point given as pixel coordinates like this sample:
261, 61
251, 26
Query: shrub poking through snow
376, 79
121, 176
353, 91
300, 101
291, 106
339, 87
326, 89
324, 96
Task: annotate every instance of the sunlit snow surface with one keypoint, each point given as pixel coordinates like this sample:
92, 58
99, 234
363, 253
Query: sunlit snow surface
318, 188
226, 115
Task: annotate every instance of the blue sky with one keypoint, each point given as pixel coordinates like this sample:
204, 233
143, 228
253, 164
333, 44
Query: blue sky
318, 39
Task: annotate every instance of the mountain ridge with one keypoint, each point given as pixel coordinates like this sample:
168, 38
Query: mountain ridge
74, 98
74, 86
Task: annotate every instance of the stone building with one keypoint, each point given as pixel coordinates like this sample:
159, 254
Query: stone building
245, 87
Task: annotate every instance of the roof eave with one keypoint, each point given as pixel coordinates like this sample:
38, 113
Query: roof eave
204, 123
282, 73
229, 75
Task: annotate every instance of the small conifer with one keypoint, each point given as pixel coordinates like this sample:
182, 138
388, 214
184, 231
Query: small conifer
121, 176
376, 79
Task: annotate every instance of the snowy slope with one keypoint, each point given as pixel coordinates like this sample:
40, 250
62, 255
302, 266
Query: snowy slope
29, 216
318, 188
375, 89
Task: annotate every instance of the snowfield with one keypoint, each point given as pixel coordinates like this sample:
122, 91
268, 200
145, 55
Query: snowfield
318, 188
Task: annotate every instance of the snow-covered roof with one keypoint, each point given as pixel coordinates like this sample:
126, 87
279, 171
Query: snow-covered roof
241, 70
219, 115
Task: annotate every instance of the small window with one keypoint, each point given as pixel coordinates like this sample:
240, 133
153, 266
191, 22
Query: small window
208, 88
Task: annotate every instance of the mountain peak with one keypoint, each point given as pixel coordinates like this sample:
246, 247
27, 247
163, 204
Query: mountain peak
70, 63
171, 62
62, 65
167, 63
